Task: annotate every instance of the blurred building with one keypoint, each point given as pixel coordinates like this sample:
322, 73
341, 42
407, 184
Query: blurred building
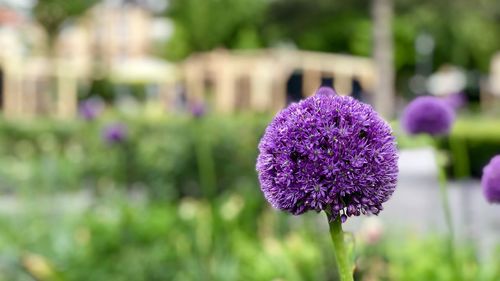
23, 69
447, 80
490, 88
115, 40
112, 40
266, 80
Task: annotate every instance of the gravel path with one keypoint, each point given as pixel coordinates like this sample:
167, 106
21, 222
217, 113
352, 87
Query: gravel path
416, 203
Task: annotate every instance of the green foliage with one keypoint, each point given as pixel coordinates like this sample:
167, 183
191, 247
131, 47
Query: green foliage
121, 237
428, 259
472, 143
465, 32
163, 156
331, 26
53, 229
202, 25
160, 155
51, 14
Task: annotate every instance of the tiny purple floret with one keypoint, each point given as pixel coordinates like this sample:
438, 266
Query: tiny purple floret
198, 110
331, 153
428, 115
91, 108
115, 133
491, 180
456, 100
325, 91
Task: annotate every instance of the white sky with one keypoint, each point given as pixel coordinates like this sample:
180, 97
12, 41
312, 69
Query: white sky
155, 5
18, 4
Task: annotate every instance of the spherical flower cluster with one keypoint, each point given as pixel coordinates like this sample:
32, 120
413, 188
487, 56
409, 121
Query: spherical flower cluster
115, 133
491, 180
428, 115
328, 152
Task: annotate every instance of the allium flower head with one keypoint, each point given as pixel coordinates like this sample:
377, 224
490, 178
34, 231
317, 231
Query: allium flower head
91, 108
325, 91
456, 100
429, 115
491, 180
198, 110
328, 152
115, 133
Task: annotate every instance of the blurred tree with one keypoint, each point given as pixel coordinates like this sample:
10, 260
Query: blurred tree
326, 25
51, 14
465, 32
383, 55
202, 25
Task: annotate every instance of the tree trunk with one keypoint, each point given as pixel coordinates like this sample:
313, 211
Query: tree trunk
383, 55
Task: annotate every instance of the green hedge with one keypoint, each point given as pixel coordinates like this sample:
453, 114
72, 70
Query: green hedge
470, 146
122, 238
231, 236
168, 156
473, 142
176, 156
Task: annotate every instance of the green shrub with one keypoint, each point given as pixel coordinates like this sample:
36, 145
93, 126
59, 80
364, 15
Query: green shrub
160, 156
125, 238
171, 156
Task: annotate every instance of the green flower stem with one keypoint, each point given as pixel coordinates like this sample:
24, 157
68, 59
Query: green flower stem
206, 166
461, 165
443, 188
345, 268
128, 162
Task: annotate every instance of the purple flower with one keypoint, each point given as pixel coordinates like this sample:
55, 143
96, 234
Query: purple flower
331, 153
115, 133
456, 101
491, 180
429, 115
91, 108
198, 110
325, 91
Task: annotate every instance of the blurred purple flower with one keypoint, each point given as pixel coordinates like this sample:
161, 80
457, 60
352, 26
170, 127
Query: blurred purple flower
328, 152
91, 108
115, 133
198, 110
428, 115
491, 180
325, 91
456, 101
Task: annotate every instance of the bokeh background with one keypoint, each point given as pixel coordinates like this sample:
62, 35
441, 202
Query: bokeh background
129, 133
